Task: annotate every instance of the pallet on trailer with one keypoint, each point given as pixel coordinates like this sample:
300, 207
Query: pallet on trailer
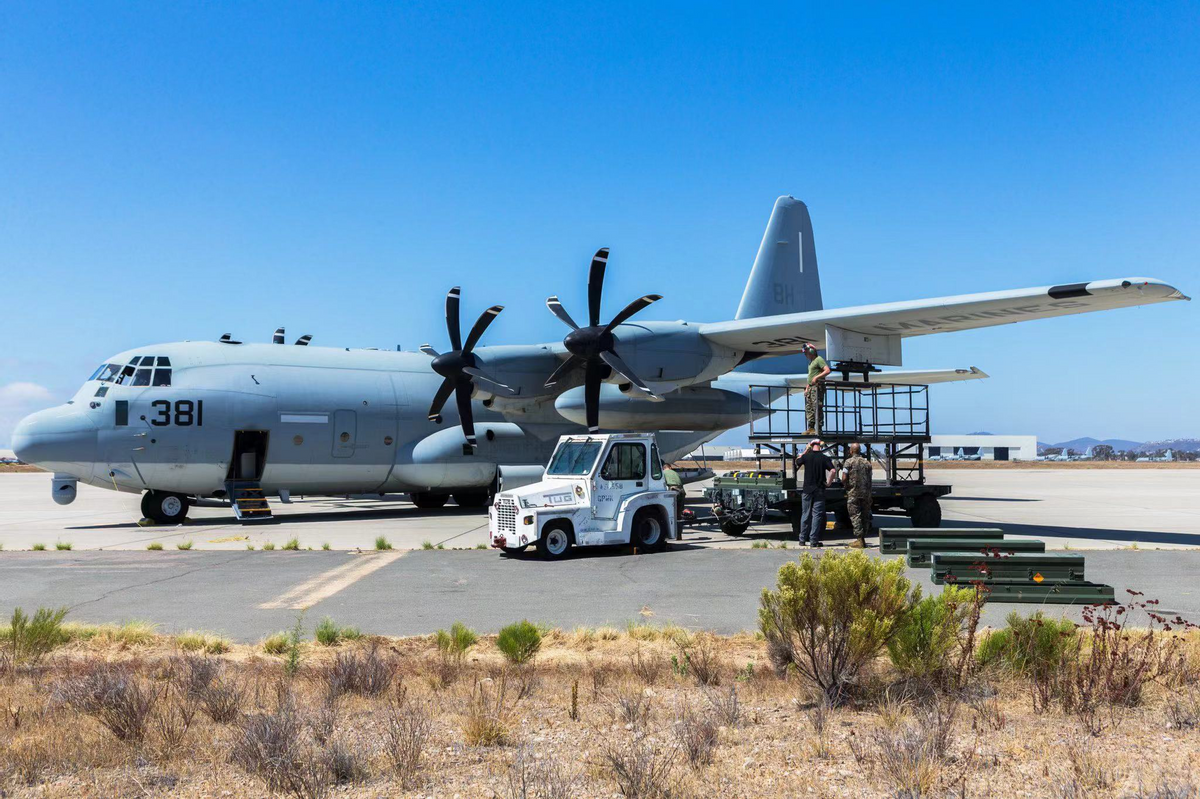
895, 539
921, 550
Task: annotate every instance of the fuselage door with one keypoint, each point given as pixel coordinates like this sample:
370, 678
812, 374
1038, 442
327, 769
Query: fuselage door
623, 473
345, 433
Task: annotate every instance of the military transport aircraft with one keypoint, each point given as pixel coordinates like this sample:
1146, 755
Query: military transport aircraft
241, 422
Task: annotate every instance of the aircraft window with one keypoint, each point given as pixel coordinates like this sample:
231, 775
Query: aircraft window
142, 377
164, 360
107, 372
100, 392
574, 457
162, 377
96, 374
137, 359
626, 461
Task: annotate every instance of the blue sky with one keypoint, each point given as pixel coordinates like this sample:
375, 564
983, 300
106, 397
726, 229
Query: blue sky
176, 171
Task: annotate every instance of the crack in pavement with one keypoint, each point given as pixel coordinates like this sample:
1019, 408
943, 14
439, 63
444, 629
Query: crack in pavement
166, 579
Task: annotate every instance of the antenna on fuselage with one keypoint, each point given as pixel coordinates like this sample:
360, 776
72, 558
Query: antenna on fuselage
278, 337
303, 340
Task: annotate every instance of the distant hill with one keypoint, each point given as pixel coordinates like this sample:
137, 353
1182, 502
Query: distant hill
1177, 444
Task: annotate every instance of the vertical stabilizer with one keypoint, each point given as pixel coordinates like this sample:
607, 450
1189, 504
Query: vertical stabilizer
784, 278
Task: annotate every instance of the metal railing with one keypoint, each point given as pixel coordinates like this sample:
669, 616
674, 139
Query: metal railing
867, 412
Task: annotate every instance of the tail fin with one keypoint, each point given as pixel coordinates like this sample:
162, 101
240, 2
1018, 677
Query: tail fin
784, 278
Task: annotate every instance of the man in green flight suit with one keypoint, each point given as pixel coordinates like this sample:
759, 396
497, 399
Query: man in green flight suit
856, 477
814, 391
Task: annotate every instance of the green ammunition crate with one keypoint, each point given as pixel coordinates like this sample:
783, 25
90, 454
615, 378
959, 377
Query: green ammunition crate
920, 550
1050, 593
895, 539
1032, 568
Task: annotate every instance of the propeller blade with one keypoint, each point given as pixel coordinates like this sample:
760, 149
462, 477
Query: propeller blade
632, 308
278, 337
621, 368
428, 350
563, 368
596, 284
558, 310
462, 398
481, 324
487, 382
303, 340
591, 394
452, 318
439, 399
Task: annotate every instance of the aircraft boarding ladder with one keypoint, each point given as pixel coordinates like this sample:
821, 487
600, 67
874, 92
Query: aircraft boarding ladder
248, 501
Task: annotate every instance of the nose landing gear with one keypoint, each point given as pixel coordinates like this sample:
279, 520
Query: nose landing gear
164, 507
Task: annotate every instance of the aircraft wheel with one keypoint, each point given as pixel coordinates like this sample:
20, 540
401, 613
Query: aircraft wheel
472, 499
164, 507
555, 542
427, 501
649, 532
927, 512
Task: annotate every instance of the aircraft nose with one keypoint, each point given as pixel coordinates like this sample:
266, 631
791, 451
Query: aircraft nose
58, 440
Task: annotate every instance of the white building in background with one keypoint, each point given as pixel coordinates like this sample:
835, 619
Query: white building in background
988, 448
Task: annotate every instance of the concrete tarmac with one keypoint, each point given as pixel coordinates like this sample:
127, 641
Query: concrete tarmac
708, 581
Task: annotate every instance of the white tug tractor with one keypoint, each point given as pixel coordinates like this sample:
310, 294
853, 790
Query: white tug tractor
599, 489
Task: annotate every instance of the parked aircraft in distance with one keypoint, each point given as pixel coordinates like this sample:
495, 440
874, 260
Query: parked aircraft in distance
242, 422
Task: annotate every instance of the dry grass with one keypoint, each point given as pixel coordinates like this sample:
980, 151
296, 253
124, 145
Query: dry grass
100, 716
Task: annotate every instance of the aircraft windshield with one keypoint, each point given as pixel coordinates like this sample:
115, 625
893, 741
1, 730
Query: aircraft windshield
574, 457
143, 370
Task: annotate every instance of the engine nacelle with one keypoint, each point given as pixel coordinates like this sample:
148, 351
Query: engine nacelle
699, 408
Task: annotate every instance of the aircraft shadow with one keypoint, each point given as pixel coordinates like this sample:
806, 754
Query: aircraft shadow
347, 514
987, 499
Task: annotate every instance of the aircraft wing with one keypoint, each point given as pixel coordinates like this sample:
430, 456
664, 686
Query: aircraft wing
778, 335
894, 376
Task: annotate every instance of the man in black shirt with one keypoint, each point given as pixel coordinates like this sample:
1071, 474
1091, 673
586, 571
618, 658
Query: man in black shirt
818, 471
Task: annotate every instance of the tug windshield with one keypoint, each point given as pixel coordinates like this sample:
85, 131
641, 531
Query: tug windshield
574, 457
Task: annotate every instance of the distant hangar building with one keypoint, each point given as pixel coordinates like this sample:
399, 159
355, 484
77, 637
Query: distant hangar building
987, 447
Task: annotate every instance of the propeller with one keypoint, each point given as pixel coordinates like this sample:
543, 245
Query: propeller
592, 347
277, 338
459, 368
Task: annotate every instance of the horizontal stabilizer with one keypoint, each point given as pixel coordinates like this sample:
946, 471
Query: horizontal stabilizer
904, 377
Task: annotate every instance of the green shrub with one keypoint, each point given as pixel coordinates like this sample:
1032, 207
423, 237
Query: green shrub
193, 641
275, 644
426, 545
63, 546
382, 543
326, 546
268, 547
28, 639
831, 616
154, 547
184, 545
39, 547
930, 636
454, 644
293, 545
1028, 644
330, 633
519, 642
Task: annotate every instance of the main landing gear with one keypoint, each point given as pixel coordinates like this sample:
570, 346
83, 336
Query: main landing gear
165, 507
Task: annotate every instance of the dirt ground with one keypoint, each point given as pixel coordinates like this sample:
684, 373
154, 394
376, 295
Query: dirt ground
17, 468
596, 713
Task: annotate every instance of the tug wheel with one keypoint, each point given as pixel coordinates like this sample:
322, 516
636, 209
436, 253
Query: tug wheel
555, 541
649, 532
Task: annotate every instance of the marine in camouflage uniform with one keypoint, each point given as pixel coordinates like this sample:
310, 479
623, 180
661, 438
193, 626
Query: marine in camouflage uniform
814, 391
856, 477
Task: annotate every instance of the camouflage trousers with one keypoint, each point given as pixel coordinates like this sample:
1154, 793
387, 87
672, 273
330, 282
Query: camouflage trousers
859, 508
812, 408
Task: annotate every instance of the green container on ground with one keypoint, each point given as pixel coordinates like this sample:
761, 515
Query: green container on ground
1033, 568
920, 550
895, 539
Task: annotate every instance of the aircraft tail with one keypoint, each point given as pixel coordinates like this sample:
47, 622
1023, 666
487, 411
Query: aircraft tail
784, 278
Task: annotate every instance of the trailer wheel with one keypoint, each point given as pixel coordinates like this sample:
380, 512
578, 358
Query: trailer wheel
926, 512
555, 541
649, 532
842, 517
427, 501
731, 527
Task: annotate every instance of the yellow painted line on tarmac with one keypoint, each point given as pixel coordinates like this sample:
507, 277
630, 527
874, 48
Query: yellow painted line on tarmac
325, 585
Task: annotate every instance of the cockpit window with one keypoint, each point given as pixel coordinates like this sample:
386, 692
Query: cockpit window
139, 372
